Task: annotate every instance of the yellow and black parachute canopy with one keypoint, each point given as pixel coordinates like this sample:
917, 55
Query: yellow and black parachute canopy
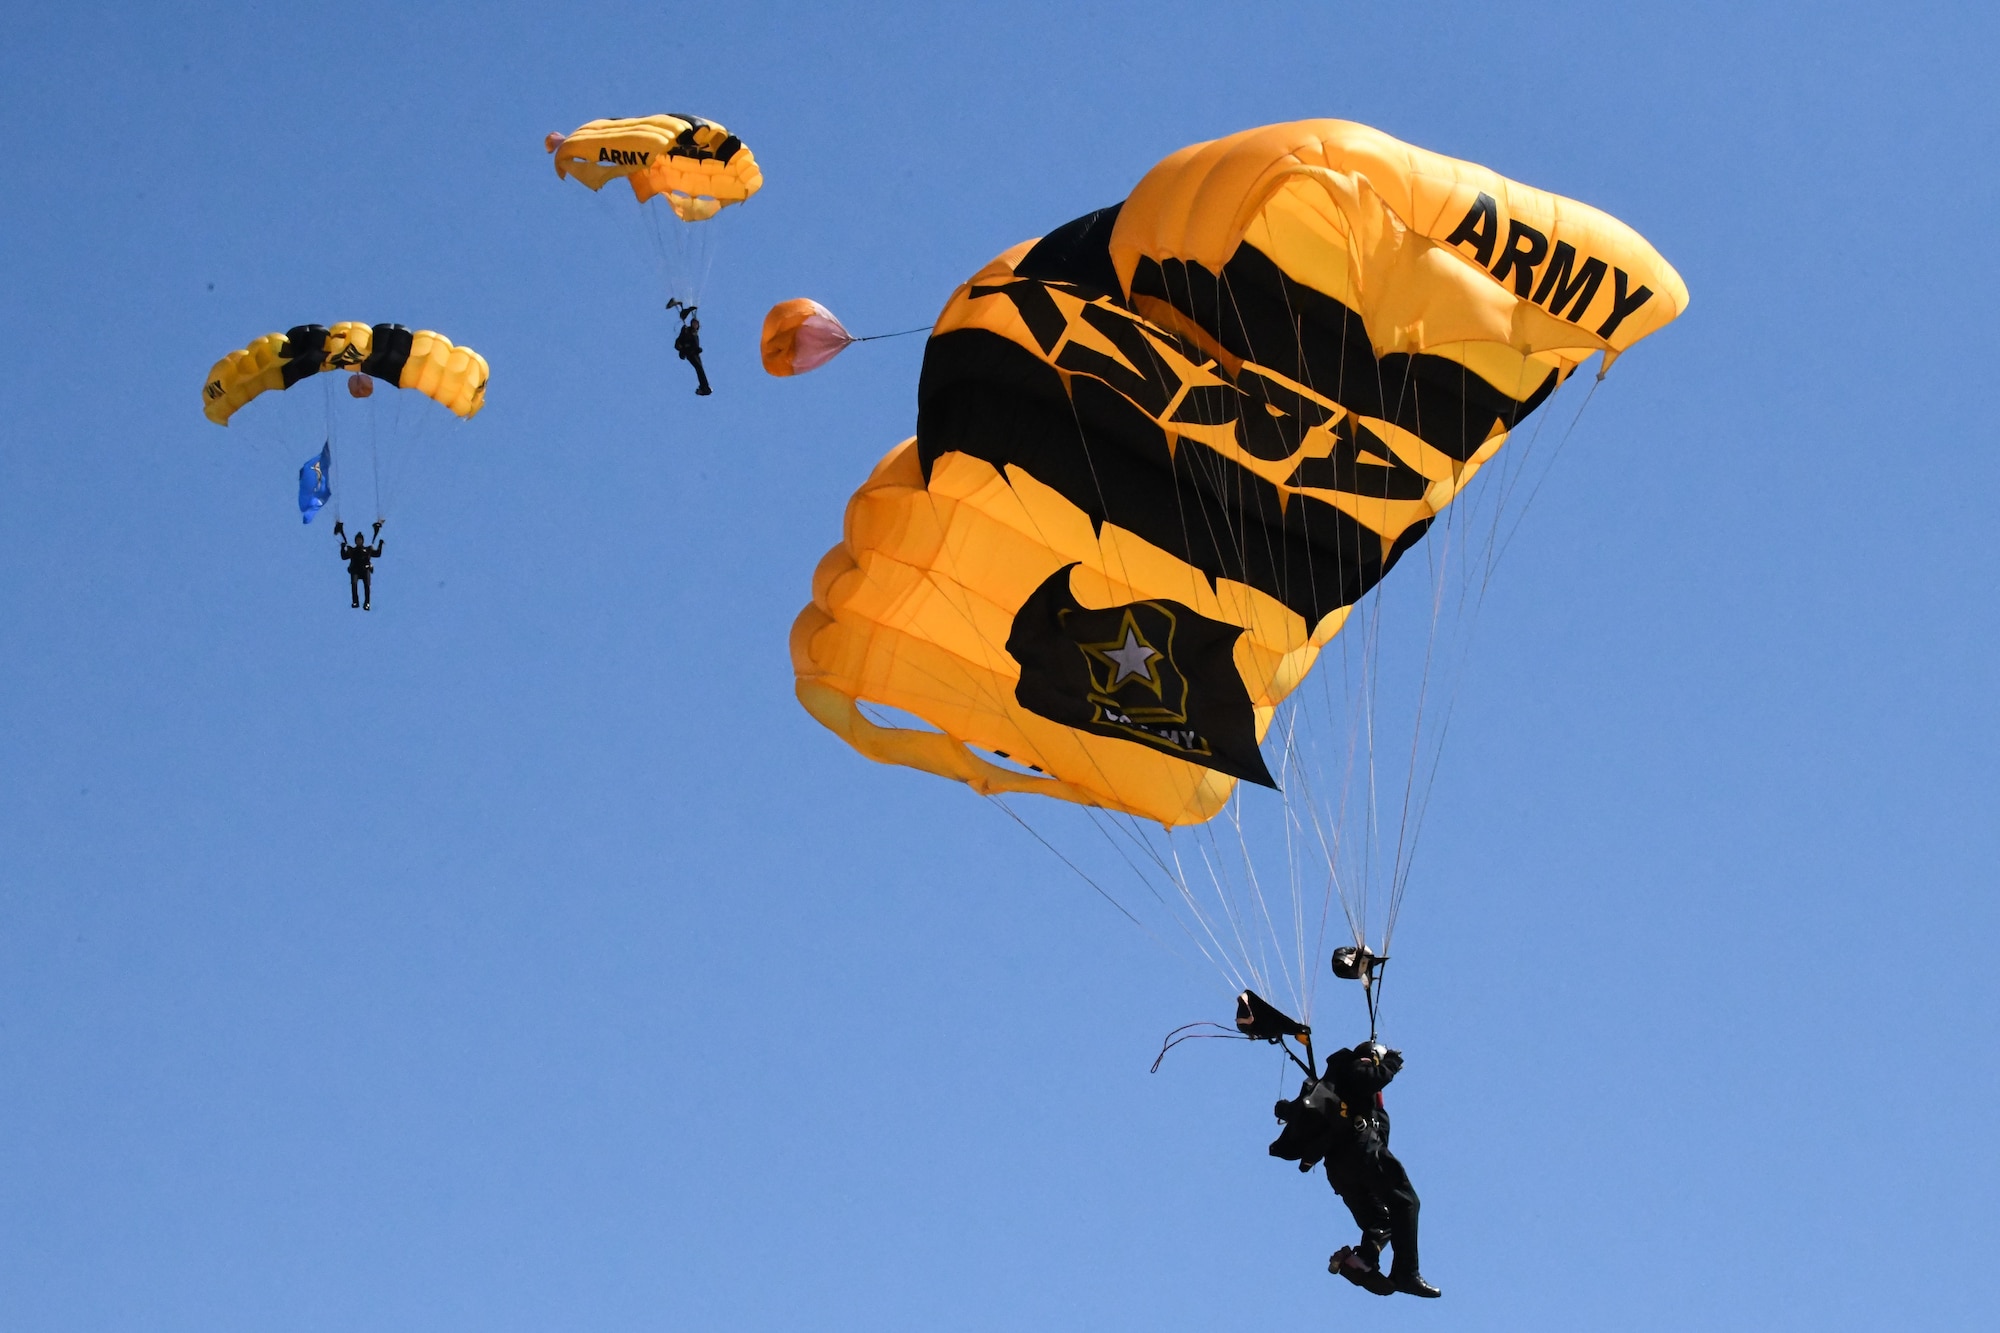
424, 362
1161, 453
700, 166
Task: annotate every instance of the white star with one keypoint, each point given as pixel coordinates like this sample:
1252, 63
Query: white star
1134, 659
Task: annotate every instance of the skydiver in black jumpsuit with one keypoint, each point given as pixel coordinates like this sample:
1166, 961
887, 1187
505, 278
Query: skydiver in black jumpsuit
360, 558
688, 345
1341, 1117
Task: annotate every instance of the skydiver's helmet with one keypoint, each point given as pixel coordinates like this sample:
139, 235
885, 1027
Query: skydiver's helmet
1370, 1050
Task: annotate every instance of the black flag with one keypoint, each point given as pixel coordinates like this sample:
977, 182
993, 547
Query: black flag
1155, 672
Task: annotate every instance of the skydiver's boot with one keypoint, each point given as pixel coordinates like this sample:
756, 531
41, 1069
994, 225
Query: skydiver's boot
1356, 1267
1412, 1284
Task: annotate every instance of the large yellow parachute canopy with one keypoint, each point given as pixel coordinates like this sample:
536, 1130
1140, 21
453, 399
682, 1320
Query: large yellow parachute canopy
423, 361
1161, 452
697, 164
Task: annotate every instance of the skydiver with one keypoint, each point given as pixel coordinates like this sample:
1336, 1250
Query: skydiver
360, 558
1340, 1117
688, 345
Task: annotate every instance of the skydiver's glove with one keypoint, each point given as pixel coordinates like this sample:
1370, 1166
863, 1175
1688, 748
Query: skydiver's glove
339, 528
1392, 1061
378, 526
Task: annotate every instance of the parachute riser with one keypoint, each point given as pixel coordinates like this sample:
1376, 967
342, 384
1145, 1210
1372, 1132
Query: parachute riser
1359, 963
1371, 991
1311, 1063
1257, 1020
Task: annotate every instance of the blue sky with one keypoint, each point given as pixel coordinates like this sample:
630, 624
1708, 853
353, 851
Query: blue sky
520, 955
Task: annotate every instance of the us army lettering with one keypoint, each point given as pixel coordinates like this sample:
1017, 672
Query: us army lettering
1566, 290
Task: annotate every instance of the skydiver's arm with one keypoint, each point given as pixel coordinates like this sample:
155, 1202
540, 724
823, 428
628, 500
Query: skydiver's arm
1361, 1080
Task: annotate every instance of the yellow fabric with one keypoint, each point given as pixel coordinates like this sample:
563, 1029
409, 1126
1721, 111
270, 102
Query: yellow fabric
1365, 218
913, 609
454, 377
662, 155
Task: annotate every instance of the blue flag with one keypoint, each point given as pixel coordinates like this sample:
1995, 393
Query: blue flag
314, 487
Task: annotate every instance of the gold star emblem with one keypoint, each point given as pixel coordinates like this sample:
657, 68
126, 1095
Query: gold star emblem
1129, 656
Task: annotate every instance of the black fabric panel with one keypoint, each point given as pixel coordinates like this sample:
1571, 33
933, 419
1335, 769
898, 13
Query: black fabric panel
1344, 470
1258, 1017
986, 396
1038, 310
1254, 311
1078, 252
389, 351
1178, 692
304, 349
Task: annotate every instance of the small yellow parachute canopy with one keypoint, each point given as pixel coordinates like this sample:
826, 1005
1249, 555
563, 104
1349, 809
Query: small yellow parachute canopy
1162, 452
801, 335
697, 164
423, 361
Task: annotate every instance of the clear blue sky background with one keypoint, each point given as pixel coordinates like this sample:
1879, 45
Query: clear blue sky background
520, 956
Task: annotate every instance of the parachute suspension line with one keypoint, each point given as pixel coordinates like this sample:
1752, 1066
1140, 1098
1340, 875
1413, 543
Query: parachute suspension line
1424, 765
1475, 582
1346, 646
1295, 882
1176, 875
1371, 991
1194, 906
329, 435
903, 333
1256, 889
1405, 833
1235, 977
375, 465
1218, 878
1002, 803
1235, 541
1536, 490
1299, 775
1213, 952
1128, 826
1438, 558
1212, 859
1368, 708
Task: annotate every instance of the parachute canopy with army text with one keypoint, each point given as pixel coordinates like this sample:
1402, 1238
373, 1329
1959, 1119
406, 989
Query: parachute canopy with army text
698, 165
1162, 451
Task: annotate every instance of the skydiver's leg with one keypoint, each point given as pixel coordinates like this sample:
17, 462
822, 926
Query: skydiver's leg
1349, 1180
368, 600
1390, 1185
701, 388
354, 587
